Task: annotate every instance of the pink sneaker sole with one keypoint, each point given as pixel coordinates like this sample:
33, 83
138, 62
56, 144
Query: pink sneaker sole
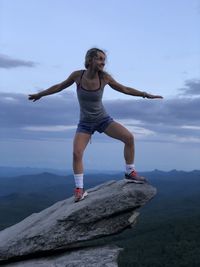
85, 194
134, 181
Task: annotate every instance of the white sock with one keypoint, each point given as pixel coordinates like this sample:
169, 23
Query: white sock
130, 168
78, 180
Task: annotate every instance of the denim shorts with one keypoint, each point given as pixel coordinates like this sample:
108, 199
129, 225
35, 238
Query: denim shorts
91, 127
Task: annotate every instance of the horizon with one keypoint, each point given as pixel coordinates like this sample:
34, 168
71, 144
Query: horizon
45, 169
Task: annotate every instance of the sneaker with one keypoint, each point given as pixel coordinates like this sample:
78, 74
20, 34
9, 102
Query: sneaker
135, 178
79, 194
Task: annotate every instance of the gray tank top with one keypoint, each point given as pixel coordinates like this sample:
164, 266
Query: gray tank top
90, 101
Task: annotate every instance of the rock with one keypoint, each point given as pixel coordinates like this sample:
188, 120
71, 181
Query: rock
88, 257
108, 209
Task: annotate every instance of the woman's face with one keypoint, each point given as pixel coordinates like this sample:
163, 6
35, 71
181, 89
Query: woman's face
98, 62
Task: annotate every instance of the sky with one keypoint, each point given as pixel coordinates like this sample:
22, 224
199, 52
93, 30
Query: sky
153, 46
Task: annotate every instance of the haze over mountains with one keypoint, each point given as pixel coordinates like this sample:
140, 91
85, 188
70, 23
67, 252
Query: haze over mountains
168, 231
23, 194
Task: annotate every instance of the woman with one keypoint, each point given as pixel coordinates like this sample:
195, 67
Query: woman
93, 116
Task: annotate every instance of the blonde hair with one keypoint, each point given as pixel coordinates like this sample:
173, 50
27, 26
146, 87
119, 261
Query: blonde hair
91, 53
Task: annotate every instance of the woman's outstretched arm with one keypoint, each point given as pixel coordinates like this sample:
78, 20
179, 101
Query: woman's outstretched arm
55, 88
128, 90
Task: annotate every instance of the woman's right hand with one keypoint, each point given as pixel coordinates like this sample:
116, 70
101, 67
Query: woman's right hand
34, 97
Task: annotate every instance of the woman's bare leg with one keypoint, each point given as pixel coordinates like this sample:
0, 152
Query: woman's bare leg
117, 131
80, 142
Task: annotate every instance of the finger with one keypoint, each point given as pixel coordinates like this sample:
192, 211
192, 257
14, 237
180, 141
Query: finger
158, 96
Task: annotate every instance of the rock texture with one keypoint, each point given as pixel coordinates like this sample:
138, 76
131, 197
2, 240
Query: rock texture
108, 209
90, 257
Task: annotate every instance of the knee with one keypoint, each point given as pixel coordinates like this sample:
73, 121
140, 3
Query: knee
129, 139
77, 154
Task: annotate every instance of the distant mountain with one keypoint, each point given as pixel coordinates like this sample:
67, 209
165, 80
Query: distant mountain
173, 182
44, 182
16, 171
31, 183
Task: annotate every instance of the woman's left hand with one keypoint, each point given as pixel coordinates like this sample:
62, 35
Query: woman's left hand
153, 96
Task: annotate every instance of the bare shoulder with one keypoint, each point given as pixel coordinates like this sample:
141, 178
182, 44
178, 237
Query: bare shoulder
114, 84
73, 77
107, 77
76, 75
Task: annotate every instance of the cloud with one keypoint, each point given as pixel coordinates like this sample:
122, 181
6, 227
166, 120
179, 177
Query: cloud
192, 88
56, 117
7, 63
176, 111
18, 111
163, 120
53, 128
51, 117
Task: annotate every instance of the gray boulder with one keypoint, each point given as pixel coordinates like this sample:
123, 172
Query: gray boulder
108, 209
88, 257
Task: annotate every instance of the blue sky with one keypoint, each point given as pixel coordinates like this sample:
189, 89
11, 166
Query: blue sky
153, 46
